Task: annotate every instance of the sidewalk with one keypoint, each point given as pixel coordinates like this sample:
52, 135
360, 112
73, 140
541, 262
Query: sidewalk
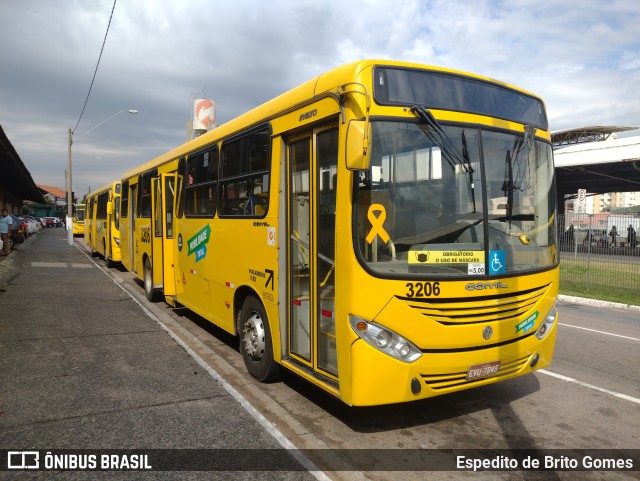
83, 367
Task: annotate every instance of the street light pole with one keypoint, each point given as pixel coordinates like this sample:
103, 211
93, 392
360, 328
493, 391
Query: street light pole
69, 183
69, 222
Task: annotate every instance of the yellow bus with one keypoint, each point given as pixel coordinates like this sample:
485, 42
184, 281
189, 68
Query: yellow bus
386, 231
102, 222
77, 223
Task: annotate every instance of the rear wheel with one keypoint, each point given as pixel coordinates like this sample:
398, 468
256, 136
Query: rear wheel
149, 291
108, 262
93, 253
255, 341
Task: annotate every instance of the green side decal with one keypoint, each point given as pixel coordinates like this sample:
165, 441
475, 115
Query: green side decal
198, 243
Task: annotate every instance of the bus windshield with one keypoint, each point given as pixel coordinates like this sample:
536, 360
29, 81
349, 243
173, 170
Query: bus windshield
79, 213
455, 201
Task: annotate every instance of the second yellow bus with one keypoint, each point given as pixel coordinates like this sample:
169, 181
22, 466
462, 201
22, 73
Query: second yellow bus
102, 222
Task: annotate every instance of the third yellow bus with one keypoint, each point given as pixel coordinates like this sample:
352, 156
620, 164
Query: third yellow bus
102, 222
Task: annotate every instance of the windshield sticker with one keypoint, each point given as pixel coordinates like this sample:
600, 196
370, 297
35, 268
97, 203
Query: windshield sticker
446, 257
376, 223
198, 243
527, 324
475, 269
498, 264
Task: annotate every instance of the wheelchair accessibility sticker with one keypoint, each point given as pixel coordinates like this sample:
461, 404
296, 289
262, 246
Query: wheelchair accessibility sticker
497, 262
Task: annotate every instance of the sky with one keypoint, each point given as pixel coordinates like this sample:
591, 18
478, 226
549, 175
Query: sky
581, 56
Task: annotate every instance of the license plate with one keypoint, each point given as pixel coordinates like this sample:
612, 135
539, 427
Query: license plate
483, 370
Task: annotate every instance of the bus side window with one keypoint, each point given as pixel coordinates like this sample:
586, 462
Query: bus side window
200, 191
245, 175
124, 202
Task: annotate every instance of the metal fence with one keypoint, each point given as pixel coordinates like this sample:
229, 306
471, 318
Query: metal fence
599, 253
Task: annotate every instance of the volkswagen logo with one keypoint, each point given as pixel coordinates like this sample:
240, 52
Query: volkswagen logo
487, 332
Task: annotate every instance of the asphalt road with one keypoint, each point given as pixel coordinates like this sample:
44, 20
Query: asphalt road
589, 398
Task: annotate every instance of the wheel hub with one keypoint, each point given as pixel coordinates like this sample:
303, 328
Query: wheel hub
253, 337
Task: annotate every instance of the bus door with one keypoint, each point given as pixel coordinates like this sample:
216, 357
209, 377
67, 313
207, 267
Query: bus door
312, 171
133, 236
168, 195
108, 226
157, 237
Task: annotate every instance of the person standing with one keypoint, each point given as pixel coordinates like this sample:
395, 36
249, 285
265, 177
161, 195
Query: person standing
614, 234
631, 236
5, 230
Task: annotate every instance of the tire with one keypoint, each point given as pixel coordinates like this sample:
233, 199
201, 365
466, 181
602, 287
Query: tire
255, 341
149, 291
93, 253
107, 261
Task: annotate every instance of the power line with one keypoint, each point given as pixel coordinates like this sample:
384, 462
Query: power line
96, 70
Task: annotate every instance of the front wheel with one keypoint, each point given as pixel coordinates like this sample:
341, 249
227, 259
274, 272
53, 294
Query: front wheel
149, 291
255, 341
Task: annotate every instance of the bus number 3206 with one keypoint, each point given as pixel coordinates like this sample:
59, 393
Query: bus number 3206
423, 289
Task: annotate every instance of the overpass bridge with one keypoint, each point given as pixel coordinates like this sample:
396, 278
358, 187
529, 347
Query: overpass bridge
592, 158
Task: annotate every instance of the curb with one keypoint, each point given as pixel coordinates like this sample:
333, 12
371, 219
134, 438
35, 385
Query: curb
596, 303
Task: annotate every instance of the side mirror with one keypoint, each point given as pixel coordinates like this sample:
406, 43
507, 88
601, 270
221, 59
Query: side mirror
357, 154
109, 208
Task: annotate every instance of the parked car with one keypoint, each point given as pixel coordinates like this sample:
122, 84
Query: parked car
17, 232
37, 220
51, 221
30, 224
25, 226
597, 237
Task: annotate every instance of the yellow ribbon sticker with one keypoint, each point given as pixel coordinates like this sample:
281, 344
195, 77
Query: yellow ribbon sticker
376, 223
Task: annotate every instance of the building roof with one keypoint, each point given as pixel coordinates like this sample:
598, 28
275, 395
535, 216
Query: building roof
15, 176
598, 167
54, 191
585, 134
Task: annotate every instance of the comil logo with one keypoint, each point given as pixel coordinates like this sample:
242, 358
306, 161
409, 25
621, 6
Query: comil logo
484, 286
23, 460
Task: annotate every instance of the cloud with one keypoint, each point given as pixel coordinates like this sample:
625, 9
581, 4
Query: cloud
582, 57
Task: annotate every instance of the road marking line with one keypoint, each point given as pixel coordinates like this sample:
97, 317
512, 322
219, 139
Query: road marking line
600, 332
590, 386
48, 264
75, 265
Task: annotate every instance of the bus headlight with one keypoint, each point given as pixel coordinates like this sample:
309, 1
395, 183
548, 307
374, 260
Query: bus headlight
385, 340
547, 324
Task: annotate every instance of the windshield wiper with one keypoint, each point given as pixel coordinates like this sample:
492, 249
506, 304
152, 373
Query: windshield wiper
509, 185
450, 152
470, 171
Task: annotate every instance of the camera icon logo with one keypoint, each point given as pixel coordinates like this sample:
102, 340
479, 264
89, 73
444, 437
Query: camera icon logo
23, 460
